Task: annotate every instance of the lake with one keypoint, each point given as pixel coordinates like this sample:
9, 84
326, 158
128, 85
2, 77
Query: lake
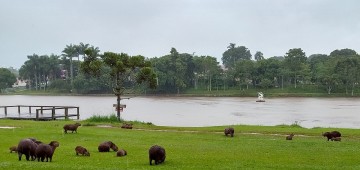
210, 111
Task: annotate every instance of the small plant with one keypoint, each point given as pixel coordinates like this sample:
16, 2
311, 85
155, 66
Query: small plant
97, 118
296, 124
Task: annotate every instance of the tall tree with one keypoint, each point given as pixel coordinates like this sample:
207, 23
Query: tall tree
123, 68
314, 61
7, 79
259, 56
348, 70
343, 53
71, 51
234, 54
295, 63
206, 67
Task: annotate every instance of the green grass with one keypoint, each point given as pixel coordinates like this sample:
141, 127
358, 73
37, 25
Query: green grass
252, 147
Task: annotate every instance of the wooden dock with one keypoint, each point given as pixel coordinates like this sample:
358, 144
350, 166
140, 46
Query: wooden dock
17, 112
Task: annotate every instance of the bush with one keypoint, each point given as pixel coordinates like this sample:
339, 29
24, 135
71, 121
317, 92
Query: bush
109, 119
60, 85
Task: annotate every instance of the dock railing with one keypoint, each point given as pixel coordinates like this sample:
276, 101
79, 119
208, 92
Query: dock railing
40, 112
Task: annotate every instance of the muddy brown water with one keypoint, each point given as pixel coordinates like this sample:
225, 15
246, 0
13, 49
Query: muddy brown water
210, 111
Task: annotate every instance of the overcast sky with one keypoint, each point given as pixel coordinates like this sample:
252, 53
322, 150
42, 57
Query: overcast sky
152, 27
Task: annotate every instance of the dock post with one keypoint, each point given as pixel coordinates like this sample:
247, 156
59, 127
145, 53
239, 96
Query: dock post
41, 110
37, 114
66, 112
30, 110
19, 110
78, 113
53, 113
5, 109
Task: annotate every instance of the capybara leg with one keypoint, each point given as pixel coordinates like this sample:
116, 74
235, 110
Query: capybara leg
27, 157
20, 155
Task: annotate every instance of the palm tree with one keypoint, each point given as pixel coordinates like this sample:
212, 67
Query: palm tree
71, 51
81, 49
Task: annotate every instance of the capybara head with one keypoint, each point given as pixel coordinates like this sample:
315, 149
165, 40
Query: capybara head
13, 149
114, 147
157, 153
121, 152
230, 131
54, 143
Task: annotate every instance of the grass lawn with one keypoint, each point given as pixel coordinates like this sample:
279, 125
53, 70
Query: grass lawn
252, 147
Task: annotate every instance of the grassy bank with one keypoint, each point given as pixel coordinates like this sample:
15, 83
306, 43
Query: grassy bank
252, 147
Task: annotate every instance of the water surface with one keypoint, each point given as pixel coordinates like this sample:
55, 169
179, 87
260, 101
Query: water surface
211, 111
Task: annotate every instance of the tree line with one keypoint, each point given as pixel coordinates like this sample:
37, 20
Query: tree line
177, 72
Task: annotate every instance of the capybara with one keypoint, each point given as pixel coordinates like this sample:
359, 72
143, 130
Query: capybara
127, 126
27, 147
71, 127
46, 151
336, 139
157, 153
81, 150
332, 134
229, 131
121, 152
289, 137
13, 149
105, 147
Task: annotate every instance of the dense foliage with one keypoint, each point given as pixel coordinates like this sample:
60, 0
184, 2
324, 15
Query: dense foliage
176, 72
7, 79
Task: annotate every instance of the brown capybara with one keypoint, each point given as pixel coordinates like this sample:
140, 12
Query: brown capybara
13, 149
289, 137
27, 147
121, 152
336, 139
157, 153
46, 151
105, 147
71, 127
331, 135
230, 131
81, 150
127, 126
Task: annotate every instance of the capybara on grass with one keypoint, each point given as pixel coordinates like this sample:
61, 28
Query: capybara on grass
71, 127
105, 147
289, 137
27, 147
230, 131
13, 149
127, 126
46, 151
157, 153
81, 150
336, 139
331, 135
121, 152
